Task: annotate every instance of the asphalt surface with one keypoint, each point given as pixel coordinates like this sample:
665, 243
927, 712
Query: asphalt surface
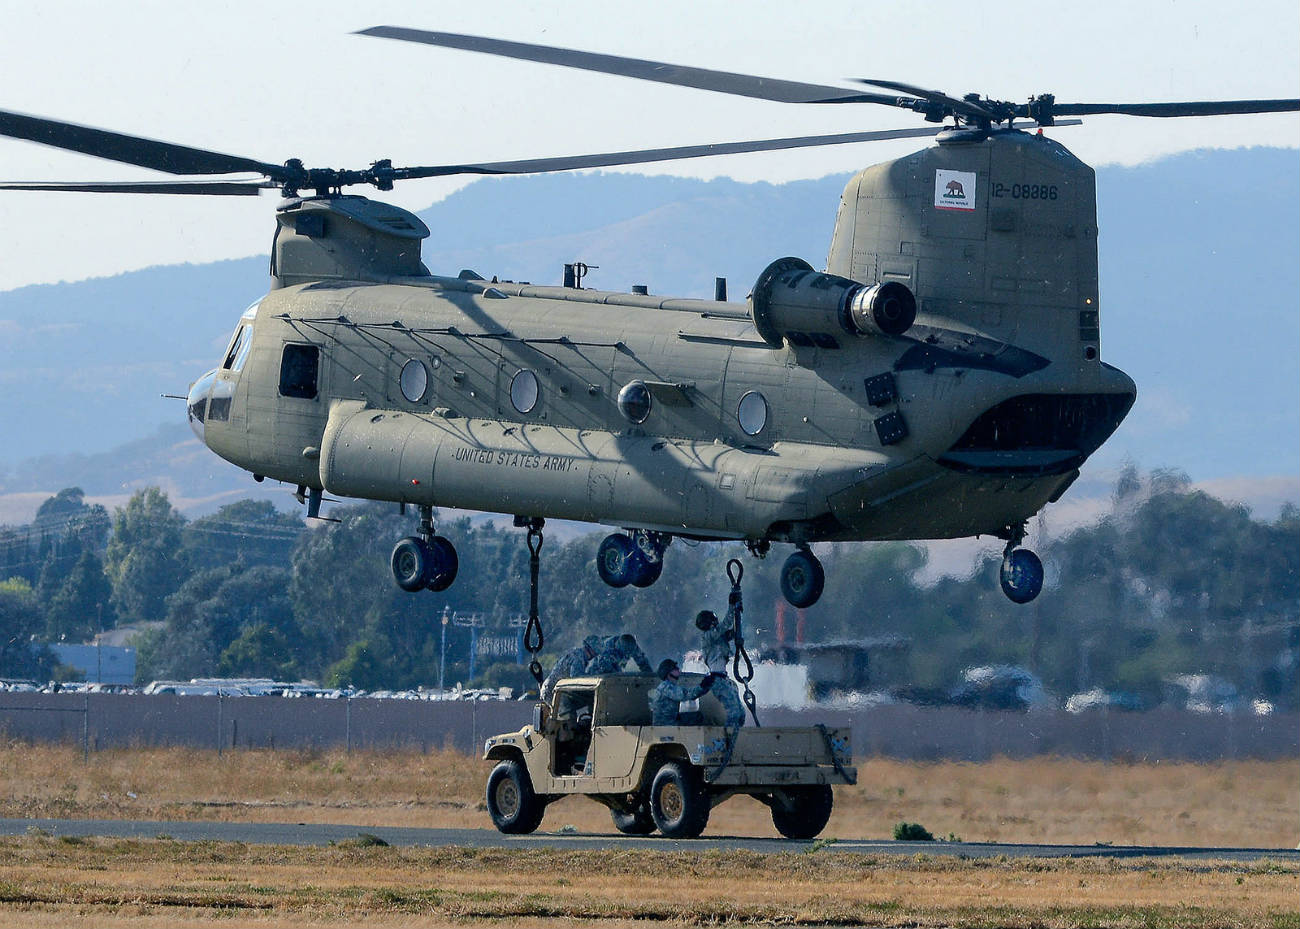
321, 834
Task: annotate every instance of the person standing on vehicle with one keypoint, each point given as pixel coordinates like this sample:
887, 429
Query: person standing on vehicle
666, 700
615, 652
572, 664
716, 643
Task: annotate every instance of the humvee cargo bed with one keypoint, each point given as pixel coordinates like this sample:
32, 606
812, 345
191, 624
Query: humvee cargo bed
595, 738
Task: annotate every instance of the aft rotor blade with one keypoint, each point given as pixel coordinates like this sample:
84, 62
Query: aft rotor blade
205, 188
726, 82
1191, 108
128, 149
965, 107
610, 159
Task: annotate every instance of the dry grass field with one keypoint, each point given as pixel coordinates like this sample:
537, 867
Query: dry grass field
1243, 804
47, 881
100, 882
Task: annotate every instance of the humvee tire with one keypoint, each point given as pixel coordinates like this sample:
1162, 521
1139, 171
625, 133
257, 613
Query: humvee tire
633, 822
808, 813
511, 801
678, 801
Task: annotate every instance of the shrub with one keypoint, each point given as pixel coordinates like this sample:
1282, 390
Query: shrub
912, 832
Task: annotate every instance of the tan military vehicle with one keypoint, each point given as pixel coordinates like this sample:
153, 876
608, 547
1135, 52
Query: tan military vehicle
595, 738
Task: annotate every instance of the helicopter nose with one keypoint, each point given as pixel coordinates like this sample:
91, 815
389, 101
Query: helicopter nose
196, 404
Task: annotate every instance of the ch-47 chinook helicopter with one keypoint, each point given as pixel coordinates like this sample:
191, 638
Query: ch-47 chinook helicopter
941, 378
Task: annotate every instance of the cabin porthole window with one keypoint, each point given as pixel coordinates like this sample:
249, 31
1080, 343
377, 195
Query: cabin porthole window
634, 402
524, 391
414, 380
751, 413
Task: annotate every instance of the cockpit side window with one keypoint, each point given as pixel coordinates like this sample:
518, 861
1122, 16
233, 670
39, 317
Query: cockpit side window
239, 347
298, 370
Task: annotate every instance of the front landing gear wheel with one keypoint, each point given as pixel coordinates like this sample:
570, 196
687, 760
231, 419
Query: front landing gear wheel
444, 564
802, 578
411, 562
1021, 575
513, 805
617, 560
678, 801
806, 812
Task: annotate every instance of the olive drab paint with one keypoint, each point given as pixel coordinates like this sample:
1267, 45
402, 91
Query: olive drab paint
1005, 296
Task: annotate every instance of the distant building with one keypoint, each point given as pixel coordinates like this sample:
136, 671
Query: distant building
849, 665
104, 664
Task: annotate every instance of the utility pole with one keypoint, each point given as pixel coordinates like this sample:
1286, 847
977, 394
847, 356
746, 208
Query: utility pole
442, 660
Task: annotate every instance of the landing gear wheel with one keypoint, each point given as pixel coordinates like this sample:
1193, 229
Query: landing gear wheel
678, 801
634, 822
647, 571
808, 812
617, 560
411, 562
444, 564
514, 807
802, 578
1021, 575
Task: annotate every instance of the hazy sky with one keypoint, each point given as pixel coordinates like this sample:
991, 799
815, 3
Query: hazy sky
272, 81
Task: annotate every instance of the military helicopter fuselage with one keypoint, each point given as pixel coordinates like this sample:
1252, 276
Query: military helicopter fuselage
941, 378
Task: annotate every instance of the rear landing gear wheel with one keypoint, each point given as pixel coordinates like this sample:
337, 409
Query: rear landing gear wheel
802, 578
1021, 575
648, 571
411, 562
617, 560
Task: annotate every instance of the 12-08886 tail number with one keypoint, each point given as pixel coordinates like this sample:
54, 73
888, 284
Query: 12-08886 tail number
1025, 191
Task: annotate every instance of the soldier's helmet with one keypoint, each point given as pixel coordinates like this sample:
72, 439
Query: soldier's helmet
594, 643
705, 620
666, 667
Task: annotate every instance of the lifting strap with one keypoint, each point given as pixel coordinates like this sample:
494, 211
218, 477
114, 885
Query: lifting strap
533, 639
735, 571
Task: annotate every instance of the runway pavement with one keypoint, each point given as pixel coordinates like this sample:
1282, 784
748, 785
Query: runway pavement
321, 834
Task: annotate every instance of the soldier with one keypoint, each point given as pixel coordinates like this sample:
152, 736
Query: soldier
571, 664
716, 644
666, 700
613, 654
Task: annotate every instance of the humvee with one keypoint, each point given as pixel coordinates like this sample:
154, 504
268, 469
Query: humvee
595, 738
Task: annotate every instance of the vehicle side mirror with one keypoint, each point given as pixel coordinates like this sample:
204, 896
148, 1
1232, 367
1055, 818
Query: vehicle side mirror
540, 715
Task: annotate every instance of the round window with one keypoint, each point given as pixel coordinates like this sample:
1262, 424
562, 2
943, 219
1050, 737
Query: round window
634, 402
415, 380
524, 391
751, 412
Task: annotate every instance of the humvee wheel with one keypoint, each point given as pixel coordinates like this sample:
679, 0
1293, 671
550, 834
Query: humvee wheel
807, 814
514, 807
678, 801
633, 822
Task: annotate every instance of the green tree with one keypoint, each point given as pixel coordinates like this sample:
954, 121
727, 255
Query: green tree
82, 604
20, 623
252, 532
144, 559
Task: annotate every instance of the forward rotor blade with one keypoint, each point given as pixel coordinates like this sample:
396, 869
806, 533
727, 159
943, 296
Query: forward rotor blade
1191, 108
575, 162
128, 149
726, 82
205, 188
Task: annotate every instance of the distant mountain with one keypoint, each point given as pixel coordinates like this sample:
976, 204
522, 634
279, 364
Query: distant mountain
1199, 284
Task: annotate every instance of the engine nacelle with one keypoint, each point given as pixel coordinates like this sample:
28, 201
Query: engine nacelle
792, 301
